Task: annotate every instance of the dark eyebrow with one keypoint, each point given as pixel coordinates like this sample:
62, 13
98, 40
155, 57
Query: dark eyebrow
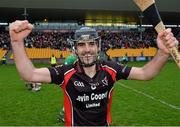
92, 42
80, 43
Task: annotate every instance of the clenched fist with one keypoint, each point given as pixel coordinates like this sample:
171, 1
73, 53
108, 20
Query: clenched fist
166, 41
19, 30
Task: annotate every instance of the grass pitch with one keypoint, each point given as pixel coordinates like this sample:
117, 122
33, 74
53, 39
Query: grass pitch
135, 103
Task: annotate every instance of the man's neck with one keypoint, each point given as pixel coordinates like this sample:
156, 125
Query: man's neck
90, 71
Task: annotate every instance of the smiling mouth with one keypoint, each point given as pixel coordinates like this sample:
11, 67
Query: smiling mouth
88, 58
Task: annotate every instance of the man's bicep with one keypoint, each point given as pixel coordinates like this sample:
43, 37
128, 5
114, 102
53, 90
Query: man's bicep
136, 74
41, 75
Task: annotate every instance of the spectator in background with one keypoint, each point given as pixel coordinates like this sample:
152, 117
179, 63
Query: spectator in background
53, 60
125, 59
4, 60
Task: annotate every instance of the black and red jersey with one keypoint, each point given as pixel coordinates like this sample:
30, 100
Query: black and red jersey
87, 101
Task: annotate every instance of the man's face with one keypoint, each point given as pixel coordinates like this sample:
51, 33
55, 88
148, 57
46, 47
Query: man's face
87, 51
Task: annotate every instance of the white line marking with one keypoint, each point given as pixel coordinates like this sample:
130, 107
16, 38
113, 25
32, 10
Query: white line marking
151, 97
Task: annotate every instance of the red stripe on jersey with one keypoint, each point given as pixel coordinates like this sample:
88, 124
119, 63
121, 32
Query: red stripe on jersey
109, 107
110, 71
67, 99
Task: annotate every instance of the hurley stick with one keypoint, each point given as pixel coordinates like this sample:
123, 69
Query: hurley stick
149, 9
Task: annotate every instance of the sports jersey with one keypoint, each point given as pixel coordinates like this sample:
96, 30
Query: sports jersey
70, 59
87, 101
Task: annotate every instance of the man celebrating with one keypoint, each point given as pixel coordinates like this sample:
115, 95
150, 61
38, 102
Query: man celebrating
87, 84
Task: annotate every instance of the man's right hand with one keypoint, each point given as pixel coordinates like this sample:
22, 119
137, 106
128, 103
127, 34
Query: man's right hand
19, 30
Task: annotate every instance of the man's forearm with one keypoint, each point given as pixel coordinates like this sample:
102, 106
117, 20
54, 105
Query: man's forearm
153, 67
23, 64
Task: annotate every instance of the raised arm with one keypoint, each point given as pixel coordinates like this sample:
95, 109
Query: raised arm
19, 30
152, 68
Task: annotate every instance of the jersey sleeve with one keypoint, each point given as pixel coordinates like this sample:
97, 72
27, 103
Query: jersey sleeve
57, 74
123, 71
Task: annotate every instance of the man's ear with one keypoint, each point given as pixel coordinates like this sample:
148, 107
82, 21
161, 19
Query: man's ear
99, 45
74, 51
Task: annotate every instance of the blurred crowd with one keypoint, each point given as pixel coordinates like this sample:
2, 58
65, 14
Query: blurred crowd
4, 40
109, 39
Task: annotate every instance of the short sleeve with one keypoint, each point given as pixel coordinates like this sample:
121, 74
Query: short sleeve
123, 71
57, 74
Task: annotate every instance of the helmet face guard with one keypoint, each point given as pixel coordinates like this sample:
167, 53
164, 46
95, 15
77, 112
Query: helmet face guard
85, 34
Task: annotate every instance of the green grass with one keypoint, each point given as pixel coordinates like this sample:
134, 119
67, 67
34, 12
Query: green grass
18, 106
21, 107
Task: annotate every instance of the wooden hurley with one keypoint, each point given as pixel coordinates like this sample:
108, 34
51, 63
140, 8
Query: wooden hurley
149, 9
